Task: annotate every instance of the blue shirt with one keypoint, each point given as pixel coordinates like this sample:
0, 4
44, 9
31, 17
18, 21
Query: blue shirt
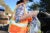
19, 12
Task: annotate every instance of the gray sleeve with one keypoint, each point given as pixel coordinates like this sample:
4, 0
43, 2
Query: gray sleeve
35, 25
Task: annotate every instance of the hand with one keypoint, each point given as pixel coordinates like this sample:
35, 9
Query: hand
33, 13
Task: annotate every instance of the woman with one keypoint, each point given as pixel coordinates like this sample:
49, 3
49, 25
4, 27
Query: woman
23, 16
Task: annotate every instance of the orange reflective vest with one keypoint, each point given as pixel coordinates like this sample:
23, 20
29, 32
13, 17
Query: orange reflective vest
20, 27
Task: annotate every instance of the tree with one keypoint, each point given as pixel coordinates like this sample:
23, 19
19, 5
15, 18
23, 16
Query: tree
46, 5
35, 6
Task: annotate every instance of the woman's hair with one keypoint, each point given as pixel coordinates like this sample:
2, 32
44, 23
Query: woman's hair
30, 0
18, 2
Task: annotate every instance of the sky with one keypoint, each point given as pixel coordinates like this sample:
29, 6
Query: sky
12, 3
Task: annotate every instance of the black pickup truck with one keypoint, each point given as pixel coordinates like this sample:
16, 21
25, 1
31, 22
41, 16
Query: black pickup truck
45, 22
